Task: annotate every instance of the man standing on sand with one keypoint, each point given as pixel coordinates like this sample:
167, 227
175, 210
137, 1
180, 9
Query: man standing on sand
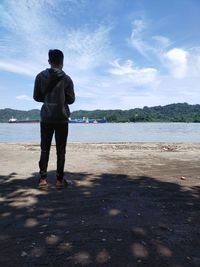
56, 90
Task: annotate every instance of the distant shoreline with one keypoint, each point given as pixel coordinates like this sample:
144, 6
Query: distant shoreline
178, 112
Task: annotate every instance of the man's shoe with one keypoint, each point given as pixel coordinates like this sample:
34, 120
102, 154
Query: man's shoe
43, 183
61, 183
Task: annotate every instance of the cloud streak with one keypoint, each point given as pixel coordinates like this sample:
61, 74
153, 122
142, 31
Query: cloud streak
136, 40
24, 97
18, 67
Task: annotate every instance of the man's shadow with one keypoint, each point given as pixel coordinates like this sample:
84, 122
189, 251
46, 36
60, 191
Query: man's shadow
99, 220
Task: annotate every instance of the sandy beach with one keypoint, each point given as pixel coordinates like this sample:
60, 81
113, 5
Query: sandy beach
127, 205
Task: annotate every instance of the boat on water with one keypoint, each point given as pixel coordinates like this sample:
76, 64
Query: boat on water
14, 120
83, 120
87, 120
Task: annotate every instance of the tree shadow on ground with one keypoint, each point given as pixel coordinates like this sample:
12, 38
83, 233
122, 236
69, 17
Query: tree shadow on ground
99, 220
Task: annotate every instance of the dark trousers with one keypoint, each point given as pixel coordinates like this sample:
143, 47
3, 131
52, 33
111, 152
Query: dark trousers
61, 132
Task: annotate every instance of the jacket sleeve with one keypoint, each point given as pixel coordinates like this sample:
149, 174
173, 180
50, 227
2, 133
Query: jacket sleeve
69, 92
37, 94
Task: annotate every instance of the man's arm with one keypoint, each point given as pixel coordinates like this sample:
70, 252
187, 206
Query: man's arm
37, 94
69, 93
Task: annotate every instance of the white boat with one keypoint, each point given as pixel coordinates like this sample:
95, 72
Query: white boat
12, 119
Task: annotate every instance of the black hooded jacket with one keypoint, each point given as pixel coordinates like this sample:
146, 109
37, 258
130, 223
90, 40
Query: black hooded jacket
56, 90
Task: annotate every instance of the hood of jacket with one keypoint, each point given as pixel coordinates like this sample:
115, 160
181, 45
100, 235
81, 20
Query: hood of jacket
52, 74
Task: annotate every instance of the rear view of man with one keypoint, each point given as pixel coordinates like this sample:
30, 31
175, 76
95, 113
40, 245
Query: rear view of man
56, 90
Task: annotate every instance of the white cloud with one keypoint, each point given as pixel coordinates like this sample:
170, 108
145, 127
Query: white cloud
24, 97
138, 76
176, 60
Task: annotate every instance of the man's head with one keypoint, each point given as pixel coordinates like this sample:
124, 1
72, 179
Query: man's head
56, 58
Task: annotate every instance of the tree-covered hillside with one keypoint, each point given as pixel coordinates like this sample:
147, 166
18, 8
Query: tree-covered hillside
181, 112
7, 113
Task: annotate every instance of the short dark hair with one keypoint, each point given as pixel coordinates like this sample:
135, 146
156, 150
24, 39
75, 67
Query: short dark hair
56, 56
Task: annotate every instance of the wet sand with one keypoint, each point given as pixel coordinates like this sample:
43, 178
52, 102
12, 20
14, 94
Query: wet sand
131, 204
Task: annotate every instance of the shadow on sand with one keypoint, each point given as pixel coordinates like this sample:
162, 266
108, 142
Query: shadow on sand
106, 220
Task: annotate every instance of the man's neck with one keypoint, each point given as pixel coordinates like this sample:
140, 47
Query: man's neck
56, 67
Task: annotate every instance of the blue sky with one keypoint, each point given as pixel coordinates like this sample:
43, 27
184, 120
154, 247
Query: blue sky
121, 54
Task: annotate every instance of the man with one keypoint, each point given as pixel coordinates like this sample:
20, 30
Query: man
56, 90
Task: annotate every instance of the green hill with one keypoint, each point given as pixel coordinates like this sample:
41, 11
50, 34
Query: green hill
7, 113
181, 112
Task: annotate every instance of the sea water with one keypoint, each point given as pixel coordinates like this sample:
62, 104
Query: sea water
107, 132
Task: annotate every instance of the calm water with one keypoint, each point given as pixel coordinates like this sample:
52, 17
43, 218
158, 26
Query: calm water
109, 132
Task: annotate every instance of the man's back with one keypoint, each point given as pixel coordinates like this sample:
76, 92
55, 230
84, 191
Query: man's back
55, 89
